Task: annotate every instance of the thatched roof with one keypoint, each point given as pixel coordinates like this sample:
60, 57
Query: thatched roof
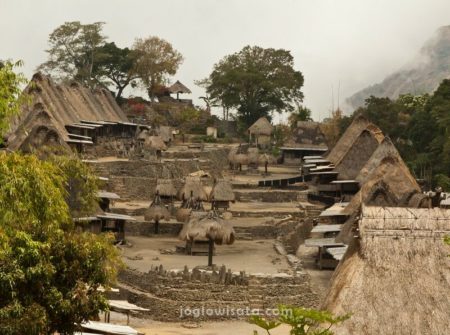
359, 153
390, 184
307, 134
222, 191
267, 158
157, 211
261, 127
253, 155
347, 139
395, 278
155, 142
178, 87
166, 188
209, 227
63, 104
193, 185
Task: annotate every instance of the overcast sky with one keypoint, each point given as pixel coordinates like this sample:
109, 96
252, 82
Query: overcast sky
352, 42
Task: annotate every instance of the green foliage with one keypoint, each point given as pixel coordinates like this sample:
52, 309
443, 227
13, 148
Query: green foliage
49, 273
302, 113
11, 97
255, 81
74, 50
301, 320
156, 59
117, 65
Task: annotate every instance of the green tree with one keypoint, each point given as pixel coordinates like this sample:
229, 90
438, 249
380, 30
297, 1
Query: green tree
302, 321
74, 49
11, 97
257, 82
302, 113
156, 59
117, 66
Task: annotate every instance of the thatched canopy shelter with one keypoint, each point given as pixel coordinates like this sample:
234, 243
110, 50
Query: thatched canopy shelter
211, 228
178, 88
395, 277
261, 127
157, 212
346, 141
359, 153
192, 188
166, 188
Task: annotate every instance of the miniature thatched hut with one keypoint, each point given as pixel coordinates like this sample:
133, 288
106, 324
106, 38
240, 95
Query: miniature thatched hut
260, 132
221, 194
346, 141
157, 212
395, 277
192, 188
178, 88
212, 229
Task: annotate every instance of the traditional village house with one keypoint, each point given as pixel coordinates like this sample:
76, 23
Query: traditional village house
306, 139
396, 258
260, 133
221, 194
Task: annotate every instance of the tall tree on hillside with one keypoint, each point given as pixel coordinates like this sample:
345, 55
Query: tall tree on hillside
156, 60
256, 81
74, 50
116, 66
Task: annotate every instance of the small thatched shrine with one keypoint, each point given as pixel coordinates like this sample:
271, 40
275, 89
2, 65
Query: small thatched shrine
307, 139
221, 194
260, 132
192, 188
166, 190
210, 229
178, 88
395, 276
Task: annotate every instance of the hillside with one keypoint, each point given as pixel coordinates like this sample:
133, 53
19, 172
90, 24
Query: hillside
422, 75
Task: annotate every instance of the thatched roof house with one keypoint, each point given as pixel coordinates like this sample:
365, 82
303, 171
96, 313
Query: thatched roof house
395, 277
356, 156
390, 184
305, 140
347, 139
210, 227
222, 191
55, 106
260, 132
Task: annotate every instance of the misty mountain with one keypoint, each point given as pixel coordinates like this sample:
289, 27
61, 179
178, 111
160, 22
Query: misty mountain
422, 75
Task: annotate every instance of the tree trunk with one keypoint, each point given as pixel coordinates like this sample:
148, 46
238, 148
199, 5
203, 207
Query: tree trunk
210, 252
119, 92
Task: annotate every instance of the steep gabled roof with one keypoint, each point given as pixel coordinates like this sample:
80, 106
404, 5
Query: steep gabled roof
64, 104
400, 259
347, 139
178, 87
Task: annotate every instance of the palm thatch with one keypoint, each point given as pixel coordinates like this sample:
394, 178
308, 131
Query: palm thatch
241, 159
193, 187
400, 259
359, 153
222, 191
210, 227
253, 155
261, 127
157, 211
267, 158
166, 188
183, 214
347, 139
178, 87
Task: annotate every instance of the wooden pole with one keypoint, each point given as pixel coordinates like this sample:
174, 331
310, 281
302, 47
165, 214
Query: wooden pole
156, 227
210, 252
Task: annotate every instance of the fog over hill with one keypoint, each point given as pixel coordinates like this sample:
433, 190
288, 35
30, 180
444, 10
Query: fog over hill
422, 75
